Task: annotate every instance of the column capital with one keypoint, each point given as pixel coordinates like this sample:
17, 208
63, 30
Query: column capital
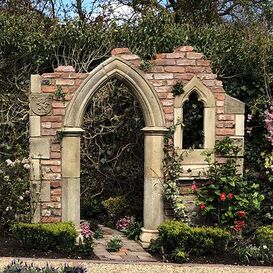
71, 132
155, 131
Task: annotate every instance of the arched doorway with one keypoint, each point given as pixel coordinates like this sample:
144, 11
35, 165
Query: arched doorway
154, 131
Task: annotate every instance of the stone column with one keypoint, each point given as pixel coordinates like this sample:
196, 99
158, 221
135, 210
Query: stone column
153, 191
71, 175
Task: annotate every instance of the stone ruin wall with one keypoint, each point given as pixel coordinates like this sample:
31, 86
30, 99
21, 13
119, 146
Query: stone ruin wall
48, 111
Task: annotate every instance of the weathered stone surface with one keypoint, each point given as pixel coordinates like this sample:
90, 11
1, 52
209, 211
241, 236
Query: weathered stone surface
34, 126
41, 104
234, 106
40, 148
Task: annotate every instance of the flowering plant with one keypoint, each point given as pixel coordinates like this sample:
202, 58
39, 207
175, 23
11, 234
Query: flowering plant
87, 243
227, 197
123, 223
14, 192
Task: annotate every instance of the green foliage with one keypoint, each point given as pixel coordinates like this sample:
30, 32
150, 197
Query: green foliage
56, 236
115, 206
179, 255
249, 253
98, 233
195, 240
178, 89
91, 207
228, 198
114, 245
23, 267
145, 65
172, 169
265, 236
59, 94
133, 231
14, 192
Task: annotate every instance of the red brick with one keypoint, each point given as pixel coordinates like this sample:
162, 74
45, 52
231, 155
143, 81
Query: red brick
222, 124
51, 176
175, 69
175, 55
186, 62
220, 110
135, 63
65, 82
169, 117
203, 62
55, 184
119, 51
209, 82
226, 117
56, 198
51, 219
51, 205
183, 49
164, 89
194, 69
50, 162
157, 69
58, 111
55, 155
58, 104
158, 82
185, 76
55, 147
46, 125
48, 89
167, 102
164, 62
160, 56
56, 191
51, 75
75, 76
56, 212
62, 68
220, 103
195, 55
56, 169
130, 57
220, 96
51, 118
168, 110
48, 132
56, 125
224, 132
207, 76
218, 83
149, 76
163, 76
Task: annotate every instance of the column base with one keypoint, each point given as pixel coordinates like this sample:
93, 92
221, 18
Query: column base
146, 236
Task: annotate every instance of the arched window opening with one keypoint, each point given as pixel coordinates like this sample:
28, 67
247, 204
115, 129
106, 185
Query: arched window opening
193, 122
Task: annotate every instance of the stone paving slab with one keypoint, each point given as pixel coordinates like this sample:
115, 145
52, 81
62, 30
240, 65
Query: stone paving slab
130, 251
117, 267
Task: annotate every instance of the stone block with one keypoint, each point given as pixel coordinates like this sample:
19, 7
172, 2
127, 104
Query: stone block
34, 126
40, 148
239, 125
35, 84
35, 171
234, 106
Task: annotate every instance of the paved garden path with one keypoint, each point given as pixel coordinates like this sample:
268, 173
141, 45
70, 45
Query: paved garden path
131, 251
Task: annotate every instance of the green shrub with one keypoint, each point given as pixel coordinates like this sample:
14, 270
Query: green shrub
179, 255
265, 236
115, 206
55, 236
195, 240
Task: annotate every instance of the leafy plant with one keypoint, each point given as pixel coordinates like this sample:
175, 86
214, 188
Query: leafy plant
115, 206
178, 89
145, 65
114, 245
59, 94
228, 198
98, 233
54, 236
179, 255
133, 230
87, 244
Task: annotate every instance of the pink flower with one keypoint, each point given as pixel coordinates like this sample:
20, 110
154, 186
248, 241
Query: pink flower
202, 206
193, 187
85, 230
230, 196
123, 223
223, 196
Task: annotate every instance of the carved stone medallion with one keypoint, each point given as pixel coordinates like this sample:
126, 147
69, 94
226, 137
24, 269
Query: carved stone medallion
41, 104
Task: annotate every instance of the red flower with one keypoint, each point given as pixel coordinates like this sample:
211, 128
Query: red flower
241, 214
230, 196
223, 196
193, 187
202, 206
239, 225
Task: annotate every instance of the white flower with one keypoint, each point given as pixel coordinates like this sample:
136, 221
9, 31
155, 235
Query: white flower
26, 166
264, 247
21, 197
8, 208
9, 162
25, 161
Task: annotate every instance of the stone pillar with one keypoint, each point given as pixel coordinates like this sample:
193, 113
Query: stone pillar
153, 191
71, 175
